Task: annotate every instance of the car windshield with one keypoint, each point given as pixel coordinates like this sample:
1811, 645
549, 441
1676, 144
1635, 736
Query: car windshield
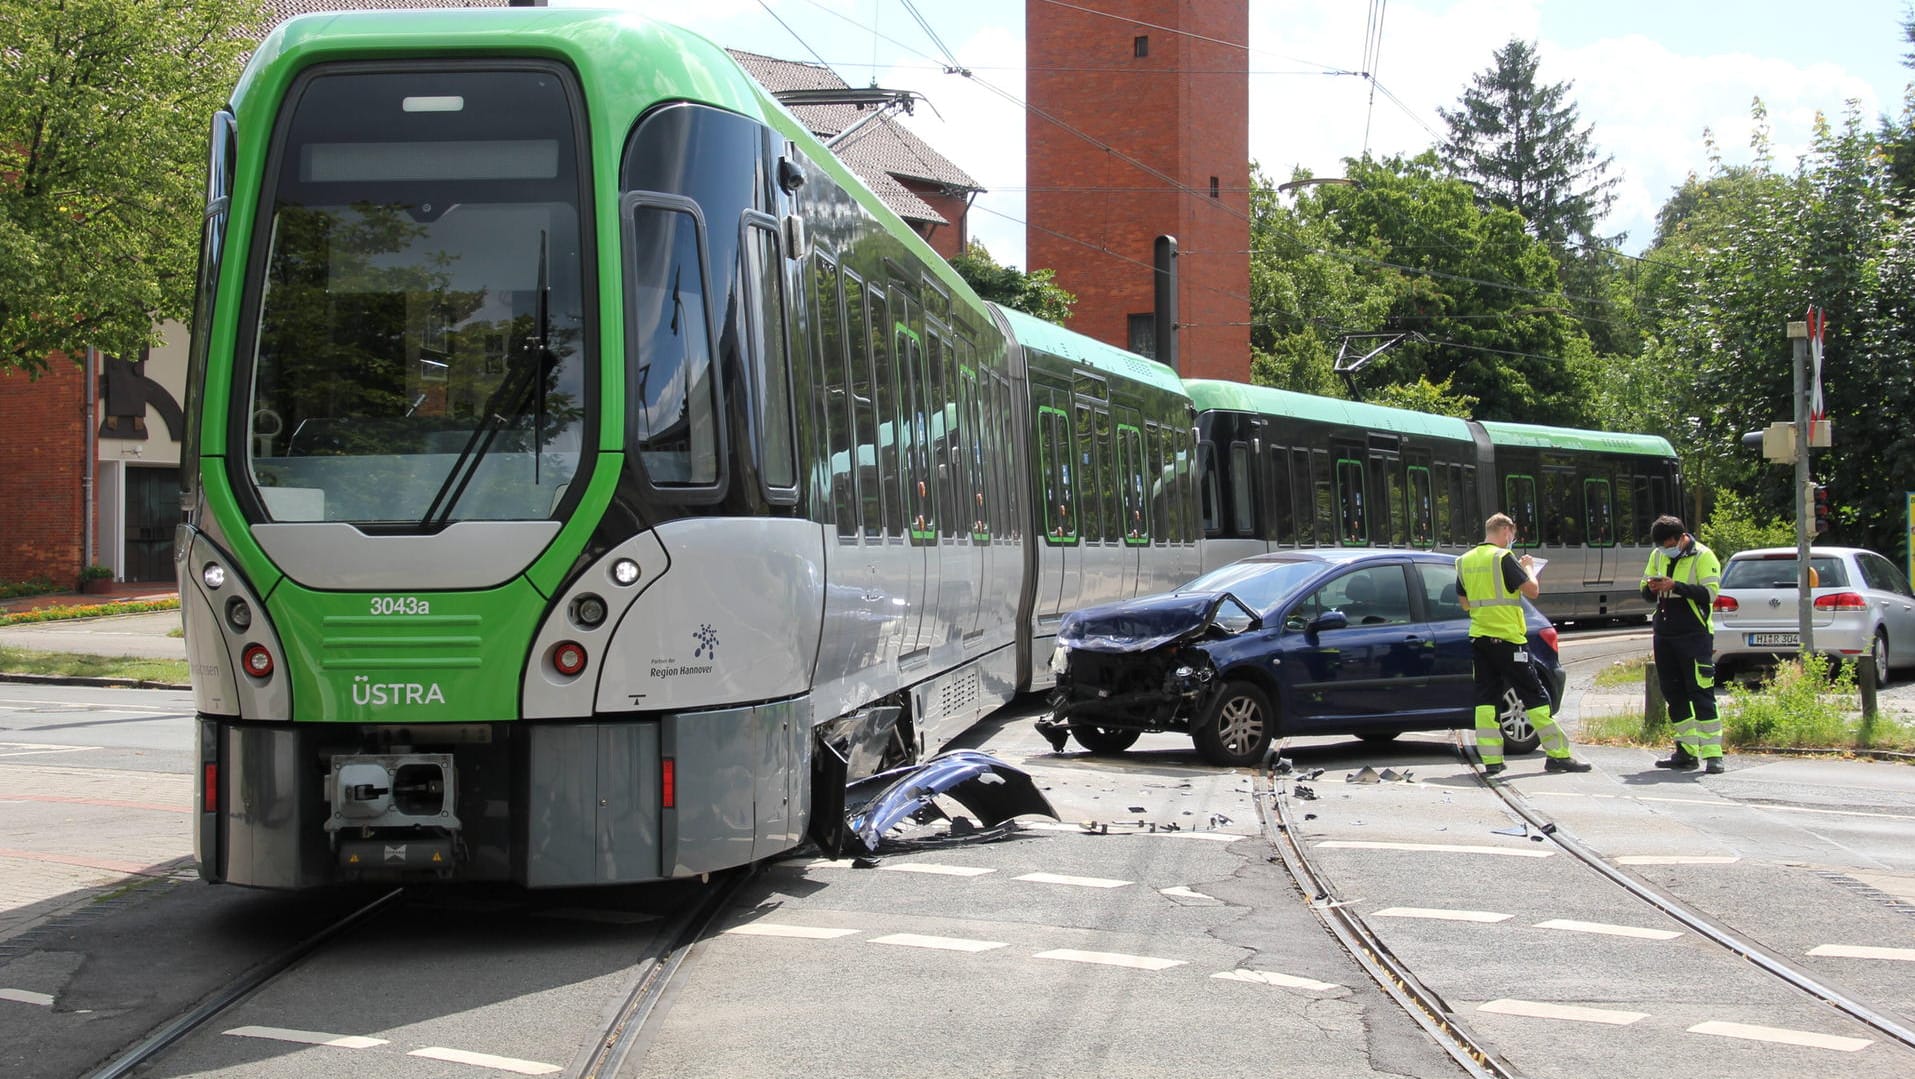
1778, 571
1262, 585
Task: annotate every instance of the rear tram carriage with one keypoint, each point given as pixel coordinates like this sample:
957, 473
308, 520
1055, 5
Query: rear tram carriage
587, 477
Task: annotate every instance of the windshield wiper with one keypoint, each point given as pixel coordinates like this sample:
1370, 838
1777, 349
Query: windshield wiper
524, 386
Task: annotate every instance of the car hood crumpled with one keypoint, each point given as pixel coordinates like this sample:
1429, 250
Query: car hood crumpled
1137, 625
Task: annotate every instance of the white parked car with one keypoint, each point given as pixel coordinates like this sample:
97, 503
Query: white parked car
1862, 606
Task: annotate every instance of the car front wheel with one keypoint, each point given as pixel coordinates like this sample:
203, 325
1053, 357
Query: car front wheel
1237, 728
1103, 741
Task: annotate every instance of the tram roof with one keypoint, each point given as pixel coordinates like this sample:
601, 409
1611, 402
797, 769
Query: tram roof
1503, 433
1210, 394
1034, 332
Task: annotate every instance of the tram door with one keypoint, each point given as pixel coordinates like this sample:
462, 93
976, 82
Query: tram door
1599, 558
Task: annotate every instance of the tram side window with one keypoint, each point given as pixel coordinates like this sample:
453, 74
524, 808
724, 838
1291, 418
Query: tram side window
1207, 464
834, 394
1562, 521
1597, 512
1445, 522
1519, 500
1353, 519
1326, 504
1159, 479
1186, 498
1624, 509
1242, 517
870, 482
1282, 525
1397, 499
890, 379
1055, 451
1304, 514
1659, 501
1422, 508
1130, 468
778, 455
1108, 482
670, 408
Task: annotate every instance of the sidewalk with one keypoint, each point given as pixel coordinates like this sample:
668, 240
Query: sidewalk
145, 635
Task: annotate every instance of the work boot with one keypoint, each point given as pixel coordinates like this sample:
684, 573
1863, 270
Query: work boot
1493, 769
1678, 760
1565, 764
1714, 766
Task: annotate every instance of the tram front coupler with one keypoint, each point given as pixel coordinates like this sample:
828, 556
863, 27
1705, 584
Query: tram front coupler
393, 811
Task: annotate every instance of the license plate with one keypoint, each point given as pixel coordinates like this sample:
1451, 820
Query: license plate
1790, 639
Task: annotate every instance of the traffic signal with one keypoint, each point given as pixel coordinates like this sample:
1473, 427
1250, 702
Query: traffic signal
1822, 517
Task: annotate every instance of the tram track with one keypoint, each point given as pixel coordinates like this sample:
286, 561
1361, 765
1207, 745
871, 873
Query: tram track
242, 988
1803, 980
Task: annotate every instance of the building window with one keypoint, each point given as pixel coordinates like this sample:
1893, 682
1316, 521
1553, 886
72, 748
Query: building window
1143, 335
1140, 46
1213, 187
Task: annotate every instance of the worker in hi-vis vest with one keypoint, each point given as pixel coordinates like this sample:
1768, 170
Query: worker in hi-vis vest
1682, 579
1490, 581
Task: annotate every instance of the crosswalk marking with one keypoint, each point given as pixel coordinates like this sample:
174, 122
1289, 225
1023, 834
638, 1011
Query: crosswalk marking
27, 996
307, 1037
948, 944
1436, 848
1536, 1009
1782, 1035
939, 870
1608, 930
1080, 882
1677, 859
805, 932
1863, 951
1443, 915
1111, 959
1271, 977
486, 1060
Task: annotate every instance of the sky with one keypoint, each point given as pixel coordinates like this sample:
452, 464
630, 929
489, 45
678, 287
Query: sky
1650, 77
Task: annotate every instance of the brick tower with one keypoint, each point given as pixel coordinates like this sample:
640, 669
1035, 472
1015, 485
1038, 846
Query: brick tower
1151, 100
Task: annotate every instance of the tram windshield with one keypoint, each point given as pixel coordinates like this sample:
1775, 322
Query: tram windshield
420, 349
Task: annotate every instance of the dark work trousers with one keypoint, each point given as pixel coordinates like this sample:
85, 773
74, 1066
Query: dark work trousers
1500, 666
1685, 669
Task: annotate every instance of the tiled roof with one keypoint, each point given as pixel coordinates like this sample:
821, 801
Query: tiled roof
881, 153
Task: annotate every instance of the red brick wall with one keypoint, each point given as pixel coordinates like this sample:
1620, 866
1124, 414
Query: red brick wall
43, 441
946, 240
1181, 112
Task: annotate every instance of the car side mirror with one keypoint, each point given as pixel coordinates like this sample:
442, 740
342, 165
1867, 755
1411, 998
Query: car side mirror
1330, 620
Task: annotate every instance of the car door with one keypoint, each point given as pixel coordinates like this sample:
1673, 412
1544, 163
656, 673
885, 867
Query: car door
1366, 672
1451, 693
1890, 590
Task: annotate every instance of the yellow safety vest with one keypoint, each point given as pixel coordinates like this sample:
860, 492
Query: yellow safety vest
1704, 570
1494, 611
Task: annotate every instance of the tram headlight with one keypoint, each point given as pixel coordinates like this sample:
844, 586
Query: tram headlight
214, 575
238, 614
625, 571
588, 611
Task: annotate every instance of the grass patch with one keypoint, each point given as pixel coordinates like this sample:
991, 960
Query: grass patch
1802, 705
68, 665
88, 610
1628, 672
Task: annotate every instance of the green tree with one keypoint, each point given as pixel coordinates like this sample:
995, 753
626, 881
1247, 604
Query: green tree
1521, 144
103, 128
1403, 252
1034, 293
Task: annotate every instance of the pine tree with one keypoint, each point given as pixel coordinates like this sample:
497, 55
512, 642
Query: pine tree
1520, 143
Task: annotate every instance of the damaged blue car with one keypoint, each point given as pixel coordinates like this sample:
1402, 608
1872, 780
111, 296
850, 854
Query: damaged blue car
1369, 643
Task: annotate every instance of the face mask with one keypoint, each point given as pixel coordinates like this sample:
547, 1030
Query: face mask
1672, 551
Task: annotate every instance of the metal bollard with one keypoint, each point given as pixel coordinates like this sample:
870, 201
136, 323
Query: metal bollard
1655, 710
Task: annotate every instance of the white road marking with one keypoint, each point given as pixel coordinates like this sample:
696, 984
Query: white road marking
1723, 802
1271, 977
307, 1037
1781, 1034
807, 932
1607, 929
1181, 892
1443, 915
1079, 882
1677, 859
27, 996
1437, 848
20, 749
1111, 959
1841, 951
949, 944
1536, 1009
1131, 829
486, 1060
943, 870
